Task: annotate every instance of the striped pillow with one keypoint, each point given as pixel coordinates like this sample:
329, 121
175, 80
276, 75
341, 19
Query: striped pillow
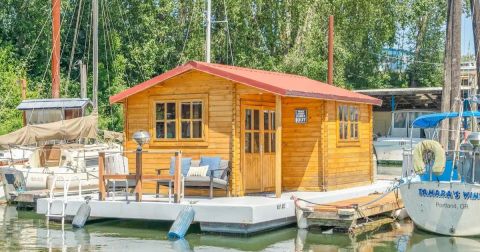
198, 171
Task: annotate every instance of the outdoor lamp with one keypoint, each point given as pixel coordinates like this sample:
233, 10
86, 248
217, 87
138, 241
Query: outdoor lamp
141, 137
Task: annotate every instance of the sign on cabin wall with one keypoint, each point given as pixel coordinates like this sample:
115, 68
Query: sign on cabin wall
301, 116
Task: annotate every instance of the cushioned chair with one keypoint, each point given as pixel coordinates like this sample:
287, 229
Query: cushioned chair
186, 163
218, 175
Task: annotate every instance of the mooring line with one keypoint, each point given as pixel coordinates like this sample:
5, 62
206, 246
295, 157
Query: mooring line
355, 206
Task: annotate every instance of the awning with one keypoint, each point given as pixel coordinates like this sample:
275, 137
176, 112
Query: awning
432, 120
59, 103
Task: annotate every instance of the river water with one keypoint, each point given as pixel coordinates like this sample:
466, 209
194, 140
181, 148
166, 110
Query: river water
26, 231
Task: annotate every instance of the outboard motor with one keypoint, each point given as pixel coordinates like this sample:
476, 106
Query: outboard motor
465, 161
473, 176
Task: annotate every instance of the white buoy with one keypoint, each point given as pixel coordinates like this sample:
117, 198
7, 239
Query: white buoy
82, 215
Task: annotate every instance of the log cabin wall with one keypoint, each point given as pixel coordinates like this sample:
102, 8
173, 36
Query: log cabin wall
349, 161
302, 158
313, 156
217, 95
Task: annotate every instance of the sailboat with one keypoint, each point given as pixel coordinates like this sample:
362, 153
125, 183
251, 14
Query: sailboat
441, 188
58, 144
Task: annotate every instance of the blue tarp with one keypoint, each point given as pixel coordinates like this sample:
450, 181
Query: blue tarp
432, 120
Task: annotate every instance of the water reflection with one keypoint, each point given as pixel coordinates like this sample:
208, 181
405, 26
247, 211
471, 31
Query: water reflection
444, 243
28, 231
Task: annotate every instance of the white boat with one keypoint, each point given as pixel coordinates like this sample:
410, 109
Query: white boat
77, 163
400, 135
53, 165
440, 197
447, 208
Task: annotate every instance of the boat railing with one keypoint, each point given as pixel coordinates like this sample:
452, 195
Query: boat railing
407, 162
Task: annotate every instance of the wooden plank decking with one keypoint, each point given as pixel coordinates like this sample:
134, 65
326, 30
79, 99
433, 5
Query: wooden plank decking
356, 215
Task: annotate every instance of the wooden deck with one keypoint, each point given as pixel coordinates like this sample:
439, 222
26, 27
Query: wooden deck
356, 215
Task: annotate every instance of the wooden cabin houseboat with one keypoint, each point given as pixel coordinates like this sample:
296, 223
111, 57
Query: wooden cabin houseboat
280, 132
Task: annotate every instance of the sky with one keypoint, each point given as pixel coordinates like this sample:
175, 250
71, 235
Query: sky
467, 35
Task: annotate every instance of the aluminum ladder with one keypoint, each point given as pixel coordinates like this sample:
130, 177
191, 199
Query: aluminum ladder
63, 199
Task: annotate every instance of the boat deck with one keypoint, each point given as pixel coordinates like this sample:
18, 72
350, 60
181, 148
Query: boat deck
356, 215
235, 215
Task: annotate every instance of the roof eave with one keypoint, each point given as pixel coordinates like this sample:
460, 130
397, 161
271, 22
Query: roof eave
118, 98
372, 101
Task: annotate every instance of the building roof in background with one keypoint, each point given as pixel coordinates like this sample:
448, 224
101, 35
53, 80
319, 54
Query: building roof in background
273, 82
65, 103
408, 98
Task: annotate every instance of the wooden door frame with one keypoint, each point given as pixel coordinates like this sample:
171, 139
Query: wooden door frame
261, 106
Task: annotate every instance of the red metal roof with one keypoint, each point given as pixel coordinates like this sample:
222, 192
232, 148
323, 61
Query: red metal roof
272, 82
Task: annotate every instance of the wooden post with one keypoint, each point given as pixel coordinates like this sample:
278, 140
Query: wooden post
23, 84
101, 171
278, 146
177, 177
95, 52
475, 8
447, 85
455, 95
330, 51
83, 80
138, 174
56, 8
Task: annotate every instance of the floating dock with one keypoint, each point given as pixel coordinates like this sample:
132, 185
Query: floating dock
229, 215
355, 215
28, 199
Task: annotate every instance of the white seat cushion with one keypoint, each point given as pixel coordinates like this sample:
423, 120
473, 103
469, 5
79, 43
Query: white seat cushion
198, 171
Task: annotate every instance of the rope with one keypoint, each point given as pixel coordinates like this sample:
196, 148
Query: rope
127, 28
229, 43
51, 54
187, 33
394, 188
75, 36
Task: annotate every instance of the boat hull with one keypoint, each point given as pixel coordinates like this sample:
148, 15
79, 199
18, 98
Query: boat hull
447, 208
391, 148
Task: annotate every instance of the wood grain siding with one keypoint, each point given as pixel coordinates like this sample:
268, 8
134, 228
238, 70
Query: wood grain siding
302, 150
348, 164
219, 93
313, 157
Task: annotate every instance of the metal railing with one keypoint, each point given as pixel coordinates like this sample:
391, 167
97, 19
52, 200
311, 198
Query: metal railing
64, 199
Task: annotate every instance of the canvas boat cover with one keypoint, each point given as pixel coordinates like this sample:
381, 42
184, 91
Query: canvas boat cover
72, 129
432, 120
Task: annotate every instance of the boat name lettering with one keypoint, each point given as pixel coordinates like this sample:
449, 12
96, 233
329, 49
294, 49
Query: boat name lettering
445, 194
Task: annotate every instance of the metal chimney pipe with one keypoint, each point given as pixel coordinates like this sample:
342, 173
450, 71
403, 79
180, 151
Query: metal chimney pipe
208, 32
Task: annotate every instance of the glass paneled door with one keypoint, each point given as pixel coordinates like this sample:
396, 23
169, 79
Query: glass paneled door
258, 148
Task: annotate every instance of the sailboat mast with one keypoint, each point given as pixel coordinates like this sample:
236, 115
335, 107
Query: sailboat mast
56, 5
209, 25
95, 52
